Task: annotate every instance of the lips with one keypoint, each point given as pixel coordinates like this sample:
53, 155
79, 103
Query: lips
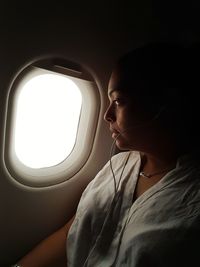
114, 135
114, 132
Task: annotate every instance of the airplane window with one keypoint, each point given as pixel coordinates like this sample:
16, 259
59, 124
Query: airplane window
47, 116
52, 116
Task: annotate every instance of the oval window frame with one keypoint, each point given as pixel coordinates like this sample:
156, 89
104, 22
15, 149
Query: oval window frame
89, 116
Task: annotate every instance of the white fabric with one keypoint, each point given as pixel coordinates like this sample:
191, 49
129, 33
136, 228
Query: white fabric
161, 228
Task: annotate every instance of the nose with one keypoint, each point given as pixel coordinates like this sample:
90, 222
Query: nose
109, 115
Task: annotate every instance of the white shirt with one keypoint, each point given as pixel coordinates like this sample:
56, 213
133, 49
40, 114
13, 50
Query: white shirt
159, 229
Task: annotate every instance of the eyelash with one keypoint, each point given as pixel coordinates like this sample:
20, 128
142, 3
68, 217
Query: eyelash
117, 101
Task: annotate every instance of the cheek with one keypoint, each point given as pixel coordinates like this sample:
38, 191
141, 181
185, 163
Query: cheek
123, 117
127, 116
125, 122
136, 117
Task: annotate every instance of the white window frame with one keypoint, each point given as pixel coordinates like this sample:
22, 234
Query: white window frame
85, 135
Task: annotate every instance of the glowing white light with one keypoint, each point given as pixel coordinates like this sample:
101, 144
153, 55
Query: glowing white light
47, 117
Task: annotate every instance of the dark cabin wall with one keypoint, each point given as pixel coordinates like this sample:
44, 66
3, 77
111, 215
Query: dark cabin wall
99, 31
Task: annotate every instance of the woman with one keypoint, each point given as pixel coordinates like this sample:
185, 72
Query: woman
143, 207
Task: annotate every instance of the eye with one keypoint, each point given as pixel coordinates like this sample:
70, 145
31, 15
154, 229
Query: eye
117, 101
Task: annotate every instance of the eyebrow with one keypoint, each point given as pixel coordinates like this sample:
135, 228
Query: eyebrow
112, 91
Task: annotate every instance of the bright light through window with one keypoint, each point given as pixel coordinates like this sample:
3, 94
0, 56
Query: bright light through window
47, 117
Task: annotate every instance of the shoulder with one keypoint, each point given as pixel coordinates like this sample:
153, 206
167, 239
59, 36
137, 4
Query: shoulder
102, 183
104, 178
117, 162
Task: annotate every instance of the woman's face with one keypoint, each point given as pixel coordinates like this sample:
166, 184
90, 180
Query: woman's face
126, 116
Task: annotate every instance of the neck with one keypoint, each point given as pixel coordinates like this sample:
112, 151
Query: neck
160, 151
152, 163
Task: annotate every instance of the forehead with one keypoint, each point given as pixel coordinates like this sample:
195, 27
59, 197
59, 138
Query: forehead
122, 83
116, 83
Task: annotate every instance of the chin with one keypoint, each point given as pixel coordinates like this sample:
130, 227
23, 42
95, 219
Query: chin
122, 146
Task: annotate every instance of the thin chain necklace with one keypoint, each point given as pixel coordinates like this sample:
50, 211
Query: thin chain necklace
149, 175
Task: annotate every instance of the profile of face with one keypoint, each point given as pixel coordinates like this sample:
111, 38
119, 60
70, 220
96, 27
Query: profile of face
150, 104
126, 116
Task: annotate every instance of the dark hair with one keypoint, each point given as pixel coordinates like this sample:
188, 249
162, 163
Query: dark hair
166, 75
155, 68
